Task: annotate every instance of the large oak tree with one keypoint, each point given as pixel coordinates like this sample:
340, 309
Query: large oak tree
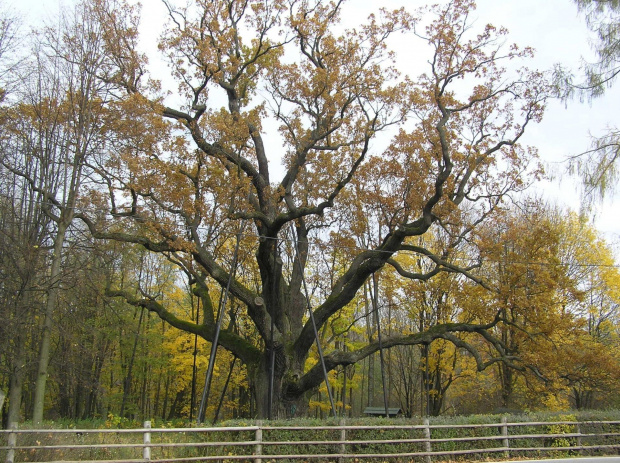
284, 127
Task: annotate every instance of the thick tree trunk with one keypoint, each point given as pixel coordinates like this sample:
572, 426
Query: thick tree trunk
437, 398
506, 376
285, 405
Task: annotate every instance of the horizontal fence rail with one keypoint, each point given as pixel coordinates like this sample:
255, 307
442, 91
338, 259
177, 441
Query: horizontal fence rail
339, 443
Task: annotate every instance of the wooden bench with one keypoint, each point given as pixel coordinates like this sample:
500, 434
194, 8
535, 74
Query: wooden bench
380, 411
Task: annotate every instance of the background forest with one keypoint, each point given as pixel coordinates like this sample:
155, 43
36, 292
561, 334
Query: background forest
286, 183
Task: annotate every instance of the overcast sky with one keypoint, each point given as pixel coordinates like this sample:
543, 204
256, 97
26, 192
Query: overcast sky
553, 27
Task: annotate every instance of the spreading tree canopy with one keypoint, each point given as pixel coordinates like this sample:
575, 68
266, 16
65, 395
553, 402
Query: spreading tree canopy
286, 135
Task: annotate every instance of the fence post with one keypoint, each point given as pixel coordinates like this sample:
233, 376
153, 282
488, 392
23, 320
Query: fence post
258, 448
11, 443
579, 438
146, 449
427, 436
506, 441
343, 438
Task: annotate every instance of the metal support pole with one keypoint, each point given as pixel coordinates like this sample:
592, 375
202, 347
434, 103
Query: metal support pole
218, 328
316, 332
219, 406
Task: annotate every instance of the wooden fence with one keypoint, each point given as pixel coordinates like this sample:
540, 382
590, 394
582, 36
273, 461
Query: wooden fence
271, 443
